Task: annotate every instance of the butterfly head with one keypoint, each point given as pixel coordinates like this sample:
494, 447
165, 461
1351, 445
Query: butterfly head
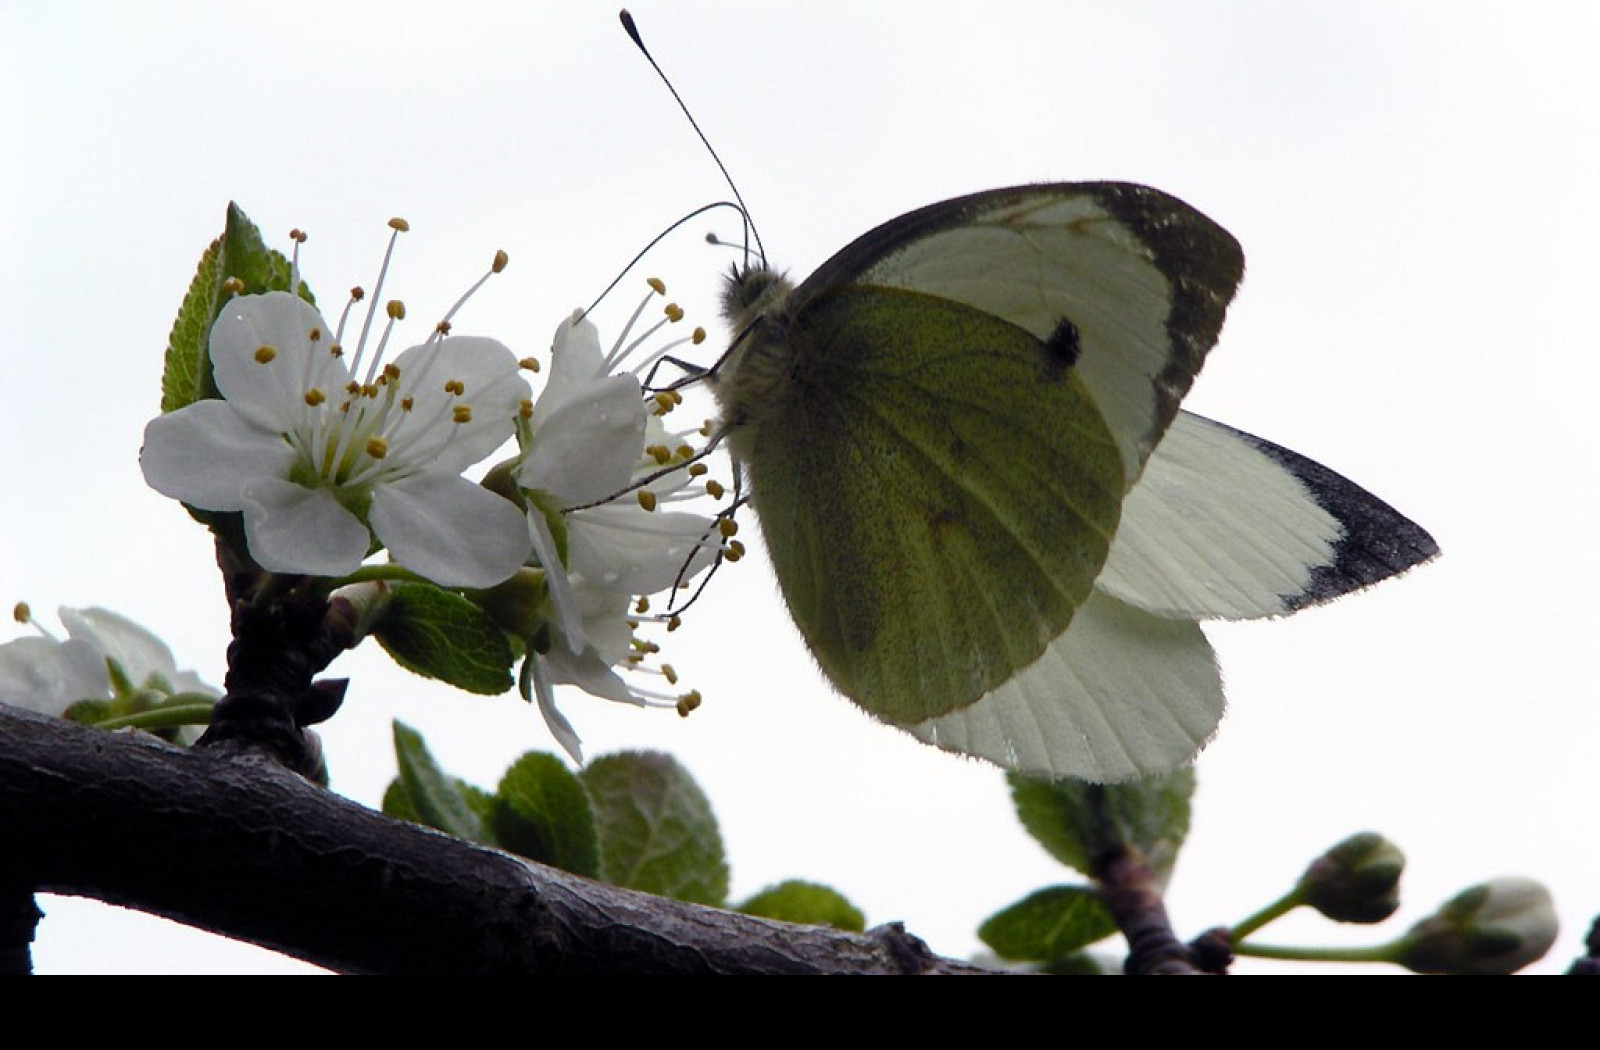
750, 291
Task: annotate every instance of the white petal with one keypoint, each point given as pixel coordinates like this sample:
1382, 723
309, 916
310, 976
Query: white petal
452, 531
637, 551
139, 652
48, 676
1121, 694
204, 454
494, 390
569, 617
536, 686
272, 394
1216, 528
585, 448
293, 529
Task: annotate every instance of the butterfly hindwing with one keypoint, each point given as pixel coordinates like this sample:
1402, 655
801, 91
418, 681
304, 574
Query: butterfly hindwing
1226, 525
930, 539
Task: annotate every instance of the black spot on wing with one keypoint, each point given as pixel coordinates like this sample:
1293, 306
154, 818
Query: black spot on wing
1378, 541
1062, 349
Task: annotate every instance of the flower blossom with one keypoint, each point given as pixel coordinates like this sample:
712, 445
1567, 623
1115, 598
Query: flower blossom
103, 656
597, 464
328, 456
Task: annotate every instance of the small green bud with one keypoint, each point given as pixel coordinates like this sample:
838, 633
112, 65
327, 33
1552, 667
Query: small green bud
1497, 927
1356, 881
520, 605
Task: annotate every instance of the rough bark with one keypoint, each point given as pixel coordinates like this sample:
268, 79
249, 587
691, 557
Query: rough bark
244, 848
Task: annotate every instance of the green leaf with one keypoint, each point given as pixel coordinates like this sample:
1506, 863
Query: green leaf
442, 635
1078, 821
806, 902
239, 252
1048, 924
436, 799
542, 812
397, 804
657, 831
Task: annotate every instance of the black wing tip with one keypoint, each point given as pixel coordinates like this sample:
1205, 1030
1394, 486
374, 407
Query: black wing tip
1378, 542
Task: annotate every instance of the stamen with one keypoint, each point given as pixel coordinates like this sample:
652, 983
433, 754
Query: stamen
265, 354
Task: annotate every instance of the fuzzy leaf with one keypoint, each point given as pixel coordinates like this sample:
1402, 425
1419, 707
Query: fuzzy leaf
657, 831
542, 812
1048, 924
806, 902
436, 799
1077, 821
442, 635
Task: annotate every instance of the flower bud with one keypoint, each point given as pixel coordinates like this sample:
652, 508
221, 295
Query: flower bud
1497, 927
1356, 881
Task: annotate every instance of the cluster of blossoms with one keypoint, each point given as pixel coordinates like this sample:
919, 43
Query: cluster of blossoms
105, 659
332, 452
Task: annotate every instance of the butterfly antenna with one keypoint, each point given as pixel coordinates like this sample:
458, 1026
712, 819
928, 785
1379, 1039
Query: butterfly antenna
632, 29
657, 239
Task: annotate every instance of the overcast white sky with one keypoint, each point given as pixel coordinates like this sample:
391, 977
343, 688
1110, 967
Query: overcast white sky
1415, 188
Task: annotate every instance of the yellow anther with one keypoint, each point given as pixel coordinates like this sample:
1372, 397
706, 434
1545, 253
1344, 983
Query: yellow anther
529, 364
357, 294
657, 285
683, 451
734, 552
697, 470
454, 386
714, 489
233, 285
674, 622
500, 260
670, 673
265, 354
525, 410
461, 413
377, 448
391, 372
674, 312
658, 453
352, 388
698, 337
443, 328
688, 702
335, 350
399, 224
314, 335
396, 310
315, 397
647, 499
664, 402
728, 527
642, 606
21, 613
406, 403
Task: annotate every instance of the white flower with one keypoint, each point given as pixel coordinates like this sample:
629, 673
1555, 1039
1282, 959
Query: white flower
48, 675
313, 450
595, 454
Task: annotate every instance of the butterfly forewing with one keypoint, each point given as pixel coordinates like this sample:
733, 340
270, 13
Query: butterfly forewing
1142, 278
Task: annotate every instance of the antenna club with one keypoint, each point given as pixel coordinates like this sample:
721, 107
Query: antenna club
631, 29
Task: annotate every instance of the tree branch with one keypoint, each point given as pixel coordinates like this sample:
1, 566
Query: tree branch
241, 847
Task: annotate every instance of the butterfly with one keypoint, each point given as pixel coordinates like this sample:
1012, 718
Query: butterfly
989, 517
